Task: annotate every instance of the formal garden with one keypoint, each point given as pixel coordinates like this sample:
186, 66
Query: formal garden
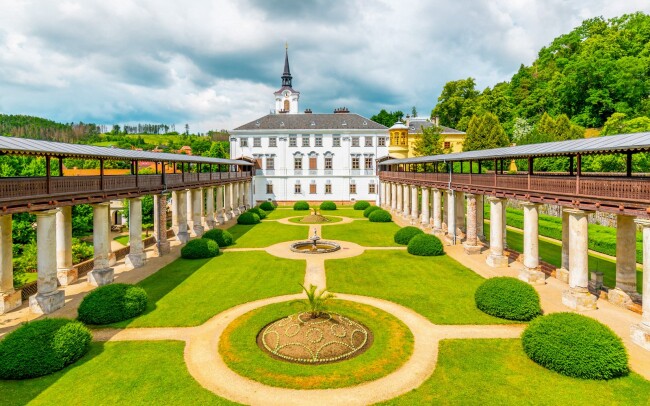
389, 310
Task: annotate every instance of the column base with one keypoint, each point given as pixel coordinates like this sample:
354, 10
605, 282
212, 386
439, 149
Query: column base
472, 249
67, 276
236, 212
112, 259
210, 224
46, 304
136, 260
198, 230
621, 298
221, 219
101, 277
163, 248
183, 236
532, 276
579, 299
10, 300
438, 232
232, 214
562, 274
497, 261
640, 334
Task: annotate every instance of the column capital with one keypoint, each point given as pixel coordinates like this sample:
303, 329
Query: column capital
530, 204
470, 195
496, 199
136, 198
107, 204
578, 211
643, 222
49, 212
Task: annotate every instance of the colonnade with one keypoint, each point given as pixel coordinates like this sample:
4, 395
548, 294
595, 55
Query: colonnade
458, 217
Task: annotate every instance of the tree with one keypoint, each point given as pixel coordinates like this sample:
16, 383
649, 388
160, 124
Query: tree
618, 123
521, 129
387, 119
484, 133
430, 143
456, 101
414, 112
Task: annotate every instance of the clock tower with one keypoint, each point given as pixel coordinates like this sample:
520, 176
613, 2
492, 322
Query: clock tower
286, 99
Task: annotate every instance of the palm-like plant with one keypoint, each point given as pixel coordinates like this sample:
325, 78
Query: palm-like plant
316, 300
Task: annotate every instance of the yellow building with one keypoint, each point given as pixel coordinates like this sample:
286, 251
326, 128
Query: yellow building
404, 135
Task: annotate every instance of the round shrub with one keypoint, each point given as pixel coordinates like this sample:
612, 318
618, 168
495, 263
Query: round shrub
404, 234
328, 205
361, 205
42, 347
112, 303
301, 205
380, 216
508, 298
261, 213
202, 247
370, 209
248, 217
267, 206
425, 245
222, 237
576, 346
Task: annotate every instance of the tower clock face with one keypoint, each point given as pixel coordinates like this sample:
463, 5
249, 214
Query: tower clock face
286, 94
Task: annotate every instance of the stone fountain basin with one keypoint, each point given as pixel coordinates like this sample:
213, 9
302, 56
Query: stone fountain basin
321, 247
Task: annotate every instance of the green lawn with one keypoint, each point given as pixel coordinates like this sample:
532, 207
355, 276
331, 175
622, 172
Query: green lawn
189, 292
439, 288
265, 234
124, 239
498, 372
552, 253
121, 373
363, 233
284, 212
330, 219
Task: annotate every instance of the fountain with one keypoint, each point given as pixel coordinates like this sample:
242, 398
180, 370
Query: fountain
315, 245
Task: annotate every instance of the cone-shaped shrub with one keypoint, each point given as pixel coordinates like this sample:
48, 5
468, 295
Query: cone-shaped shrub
404, 234
425, 245
508, 298
222, 237
112, 303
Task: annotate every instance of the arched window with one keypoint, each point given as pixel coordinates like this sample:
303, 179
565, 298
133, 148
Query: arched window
286, 105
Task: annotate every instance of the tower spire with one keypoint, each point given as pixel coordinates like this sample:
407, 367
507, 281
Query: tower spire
286, 76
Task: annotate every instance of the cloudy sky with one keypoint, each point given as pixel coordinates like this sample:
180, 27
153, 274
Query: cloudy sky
214, 64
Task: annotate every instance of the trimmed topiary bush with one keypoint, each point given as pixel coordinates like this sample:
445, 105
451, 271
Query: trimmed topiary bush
267, 206
202, 247
248, 217
222, 237
508, 298
112, 303
380, 216
328, 205
261, 213
301, 205
361, 205
42, 347
425, 245
404, 234
368, 210
576, 346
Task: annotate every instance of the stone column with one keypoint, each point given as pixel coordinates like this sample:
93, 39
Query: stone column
221, 217
400, 199
160, 224
65, 272
9, 298
562, 273
451, 217
189, 207
459, 199
136, 257
234, 192
437, 212
112, 258
577, 296
407, 201
530, 272
102, 273
641, 332
445, 212
197, 205
471, 245
393, 196
179, 213
48, 298
480, 218
209, 208
156, 216
414, 204
425, 219
230, 213
245, 195
625, 261
505, 223
496, 259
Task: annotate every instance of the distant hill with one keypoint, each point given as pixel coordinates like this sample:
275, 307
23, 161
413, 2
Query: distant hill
44, 129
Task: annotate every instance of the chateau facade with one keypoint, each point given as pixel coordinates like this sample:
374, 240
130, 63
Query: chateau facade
403, 137
308, 156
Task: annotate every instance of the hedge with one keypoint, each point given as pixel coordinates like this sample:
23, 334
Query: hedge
201, 248
260, 212
42, 347
380, 216
368, 210
301, 205
404, 235
361, 205
112, 303
248, 217
328, 205
222, 237
425, 245
575, 346
508, 298
267, 206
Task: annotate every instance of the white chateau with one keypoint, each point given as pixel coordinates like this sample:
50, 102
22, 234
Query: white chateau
307, 156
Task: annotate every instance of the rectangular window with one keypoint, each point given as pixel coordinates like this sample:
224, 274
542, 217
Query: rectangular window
328, 189
355, 162
447, 145
355, 141
372, 189
336, 140
305, 140
368, 142
269, 188
243, 142
293, 141
296, 189
273, 142
270, 163
353, 189
328, 162
381, 141
257, 142
368, 163
319, 141
297, 163
312, 188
